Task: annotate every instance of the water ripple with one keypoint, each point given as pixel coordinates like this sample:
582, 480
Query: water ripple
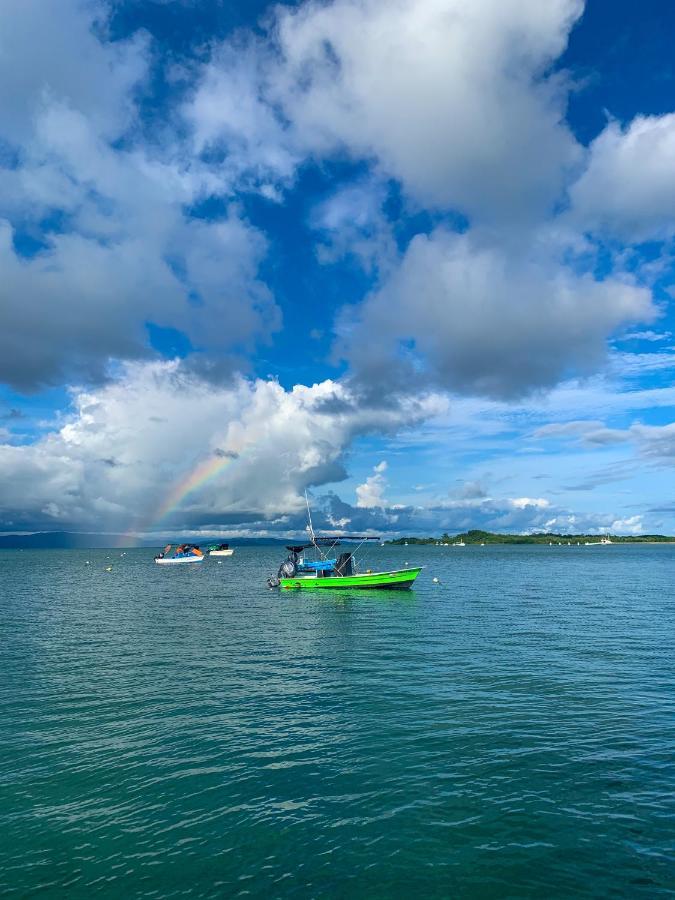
509, 731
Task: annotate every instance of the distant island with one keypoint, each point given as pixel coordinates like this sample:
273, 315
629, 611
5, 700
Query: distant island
475, 536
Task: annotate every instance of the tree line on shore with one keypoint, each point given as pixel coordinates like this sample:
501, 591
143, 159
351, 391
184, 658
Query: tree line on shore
476, 536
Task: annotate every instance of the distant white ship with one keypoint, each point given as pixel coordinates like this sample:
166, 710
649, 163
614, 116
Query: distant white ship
605, 540
220, 550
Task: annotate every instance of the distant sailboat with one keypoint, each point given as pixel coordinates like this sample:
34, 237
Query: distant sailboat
605, 540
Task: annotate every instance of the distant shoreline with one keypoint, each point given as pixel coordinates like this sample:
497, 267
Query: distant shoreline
477, 537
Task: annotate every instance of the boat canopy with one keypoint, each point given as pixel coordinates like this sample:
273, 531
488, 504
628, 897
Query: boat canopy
325, 540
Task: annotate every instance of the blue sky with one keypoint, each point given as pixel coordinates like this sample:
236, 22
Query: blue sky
414, 257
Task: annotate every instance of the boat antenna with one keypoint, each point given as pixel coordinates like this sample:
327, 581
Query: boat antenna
310, 529
309, 516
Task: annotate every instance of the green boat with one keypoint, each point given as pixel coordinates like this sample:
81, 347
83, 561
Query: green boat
399, 579
298, 572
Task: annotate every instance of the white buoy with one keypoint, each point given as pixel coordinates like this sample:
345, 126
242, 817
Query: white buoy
435, 580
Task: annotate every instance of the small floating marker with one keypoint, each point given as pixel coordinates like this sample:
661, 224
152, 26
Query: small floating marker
407, 564
435, 580
108, 568
86, 562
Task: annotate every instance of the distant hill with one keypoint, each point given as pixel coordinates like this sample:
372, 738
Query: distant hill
70, 540
476, 536
61, 540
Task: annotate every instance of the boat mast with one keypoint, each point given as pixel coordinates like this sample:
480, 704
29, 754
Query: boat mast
310, 527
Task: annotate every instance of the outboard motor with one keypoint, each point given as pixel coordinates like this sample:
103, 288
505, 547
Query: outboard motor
288, 569
345, 564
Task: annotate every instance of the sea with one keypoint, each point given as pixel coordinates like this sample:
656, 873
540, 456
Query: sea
504, 730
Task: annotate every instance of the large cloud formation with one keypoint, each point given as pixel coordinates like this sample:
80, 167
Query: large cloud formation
456, 101
460, 104
456, 108
117, 458
95, 240
474, 318
451, 98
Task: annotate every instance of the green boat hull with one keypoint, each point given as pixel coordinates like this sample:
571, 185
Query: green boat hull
401, 579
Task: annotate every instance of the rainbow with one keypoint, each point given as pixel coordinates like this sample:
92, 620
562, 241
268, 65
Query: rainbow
200, 475
203, 472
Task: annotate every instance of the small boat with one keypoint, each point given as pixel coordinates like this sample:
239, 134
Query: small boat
605, 540
459, 544
220, 550
184, 553
299, 573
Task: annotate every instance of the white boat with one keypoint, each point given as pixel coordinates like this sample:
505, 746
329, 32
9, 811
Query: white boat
605, 540
179, 560
184, 553
220, 550
459, 544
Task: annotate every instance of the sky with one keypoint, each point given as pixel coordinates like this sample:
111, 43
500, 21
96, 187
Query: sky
414, 257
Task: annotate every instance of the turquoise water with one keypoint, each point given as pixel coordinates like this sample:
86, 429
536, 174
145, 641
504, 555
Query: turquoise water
508, 732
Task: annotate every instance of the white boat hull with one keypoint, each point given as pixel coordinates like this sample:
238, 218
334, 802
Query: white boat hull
221, 552
181, 561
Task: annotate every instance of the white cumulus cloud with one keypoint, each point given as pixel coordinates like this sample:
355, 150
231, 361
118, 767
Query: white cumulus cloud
525, 502
628, 186
128, 445
472, 317
102, 210
371, 493
451, 98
